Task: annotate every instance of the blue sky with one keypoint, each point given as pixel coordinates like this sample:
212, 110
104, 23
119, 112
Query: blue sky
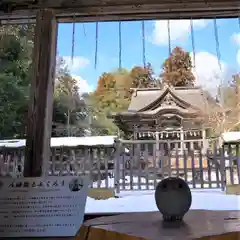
156, 39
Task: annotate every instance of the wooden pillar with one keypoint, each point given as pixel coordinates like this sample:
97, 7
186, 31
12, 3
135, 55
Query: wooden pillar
204, 141
158, 153
39, 125
135, 133
157, 140
182, 143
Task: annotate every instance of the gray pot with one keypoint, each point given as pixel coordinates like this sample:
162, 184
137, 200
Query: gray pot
173, 198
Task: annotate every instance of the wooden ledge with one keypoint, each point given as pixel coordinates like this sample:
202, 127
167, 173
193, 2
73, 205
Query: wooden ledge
101, 193
233, 189
198, 225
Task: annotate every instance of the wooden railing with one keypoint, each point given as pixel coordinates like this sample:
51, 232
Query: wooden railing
201, 167
96, 161
130, 166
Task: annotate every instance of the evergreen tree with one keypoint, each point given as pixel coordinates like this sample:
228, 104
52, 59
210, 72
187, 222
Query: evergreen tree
177, 69
15, 71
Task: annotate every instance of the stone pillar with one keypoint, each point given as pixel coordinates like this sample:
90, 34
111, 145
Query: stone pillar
39, 126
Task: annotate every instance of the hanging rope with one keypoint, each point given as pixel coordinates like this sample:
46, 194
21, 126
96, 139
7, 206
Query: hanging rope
120, 44
96, 45
239, 22
84, 30
193, 44
194, 65
219, 60
217, 44
143, 44
73, 39
169, 44
169, 38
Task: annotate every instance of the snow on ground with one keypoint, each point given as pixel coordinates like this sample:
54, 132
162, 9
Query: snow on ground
143, 201
65, 141
125, 183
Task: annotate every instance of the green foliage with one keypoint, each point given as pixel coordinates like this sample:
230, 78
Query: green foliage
15, 51
13, 107
67, 104
16, 44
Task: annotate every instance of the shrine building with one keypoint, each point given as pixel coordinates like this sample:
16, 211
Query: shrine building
171, 114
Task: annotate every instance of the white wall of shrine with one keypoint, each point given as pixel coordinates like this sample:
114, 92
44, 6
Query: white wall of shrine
171, 134
180, 139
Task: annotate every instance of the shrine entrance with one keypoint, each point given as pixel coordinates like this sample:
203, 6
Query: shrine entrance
173, 151
46, 17
141, 168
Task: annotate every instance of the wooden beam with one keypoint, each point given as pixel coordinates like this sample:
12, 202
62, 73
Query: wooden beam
88, 11
41, 103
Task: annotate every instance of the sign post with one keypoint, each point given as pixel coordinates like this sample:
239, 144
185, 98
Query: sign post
42, 207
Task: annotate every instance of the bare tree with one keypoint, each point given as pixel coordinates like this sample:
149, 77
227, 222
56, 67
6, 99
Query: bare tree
225, 116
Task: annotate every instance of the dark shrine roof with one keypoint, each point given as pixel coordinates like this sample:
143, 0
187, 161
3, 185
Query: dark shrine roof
186, 100
193, 96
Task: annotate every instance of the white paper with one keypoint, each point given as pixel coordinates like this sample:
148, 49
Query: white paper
42, 207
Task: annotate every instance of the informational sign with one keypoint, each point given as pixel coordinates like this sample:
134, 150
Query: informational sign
42, 207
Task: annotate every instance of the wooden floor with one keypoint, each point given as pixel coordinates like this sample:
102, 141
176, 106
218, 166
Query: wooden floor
215, 225
198, 224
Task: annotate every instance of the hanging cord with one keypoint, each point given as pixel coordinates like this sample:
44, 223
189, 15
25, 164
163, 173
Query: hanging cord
169, 44
143, 44
84, 30
217, 44
120, 44
193, 44
219, 58
169, 37
73, 39
194, 65
96, 46
220, 68
239, 22
194, 58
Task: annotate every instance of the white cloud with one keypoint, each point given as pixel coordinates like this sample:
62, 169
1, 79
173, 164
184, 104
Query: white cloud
207, 71
83, 85
238, 56
179, 30
78, 63
236, 40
